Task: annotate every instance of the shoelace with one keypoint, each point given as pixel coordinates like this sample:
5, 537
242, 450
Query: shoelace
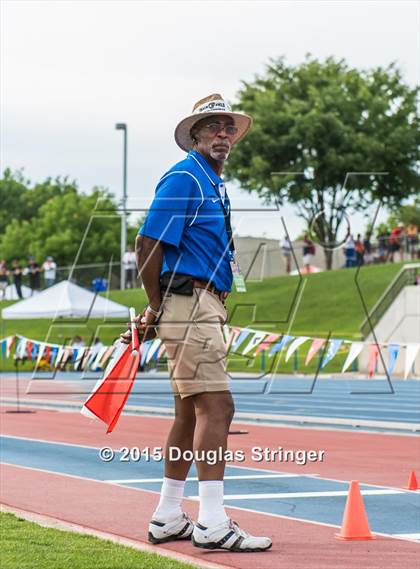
240, 532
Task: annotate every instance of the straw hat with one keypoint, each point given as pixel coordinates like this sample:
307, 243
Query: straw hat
211, 105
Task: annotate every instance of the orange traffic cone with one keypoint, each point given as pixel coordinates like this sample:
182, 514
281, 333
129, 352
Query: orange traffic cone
355, 523
412, 482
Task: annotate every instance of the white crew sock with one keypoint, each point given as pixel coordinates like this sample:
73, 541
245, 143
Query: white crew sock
212, 511
171, 495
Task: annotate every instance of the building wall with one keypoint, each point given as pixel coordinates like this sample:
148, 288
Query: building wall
263, 257
400, 324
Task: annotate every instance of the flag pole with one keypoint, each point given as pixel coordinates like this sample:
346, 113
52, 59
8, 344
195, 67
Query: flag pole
18, 409
133, 331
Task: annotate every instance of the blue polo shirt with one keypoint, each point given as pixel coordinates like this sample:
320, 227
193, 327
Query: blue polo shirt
186, 216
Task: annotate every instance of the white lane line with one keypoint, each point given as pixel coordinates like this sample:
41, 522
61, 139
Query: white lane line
327, 420
307, 521
272, 515
338, 407
240, 467
306, 396
45, 441
282, 495
282, 405
299, 395
413, 536
234, 466
46, 471
195, 478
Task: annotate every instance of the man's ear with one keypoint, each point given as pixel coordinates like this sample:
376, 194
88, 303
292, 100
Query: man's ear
194, 137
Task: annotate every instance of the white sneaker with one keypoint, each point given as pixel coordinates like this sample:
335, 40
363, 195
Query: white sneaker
228, 535
179, 528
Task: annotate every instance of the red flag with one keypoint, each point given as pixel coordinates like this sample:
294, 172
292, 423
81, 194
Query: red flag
107, 400
268, 342
373, 358
315, 347
29, 347
47, 353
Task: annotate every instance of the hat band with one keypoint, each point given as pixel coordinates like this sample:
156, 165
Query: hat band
213, 106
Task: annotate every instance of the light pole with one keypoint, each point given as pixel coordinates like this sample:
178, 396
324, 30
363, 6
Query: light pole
122, 126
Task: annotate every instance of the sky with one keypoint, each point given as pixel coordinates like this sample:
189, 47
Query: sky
70, 70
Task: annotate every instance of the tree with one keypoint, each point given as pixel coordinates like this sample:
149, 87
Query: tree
317, 125
407, 214
62, 222
12, 189
16, 240
21, 202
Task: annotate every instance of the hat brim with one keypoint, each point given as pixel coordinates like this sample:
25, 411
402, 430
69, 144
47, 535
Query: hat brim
182, 132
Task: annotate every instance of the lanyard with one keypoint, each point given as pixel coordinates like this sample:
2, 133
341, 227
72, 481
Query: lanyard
226, 215
237, 275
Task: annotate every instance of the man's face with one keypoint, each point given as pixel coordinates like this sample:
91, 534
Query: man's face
212, 138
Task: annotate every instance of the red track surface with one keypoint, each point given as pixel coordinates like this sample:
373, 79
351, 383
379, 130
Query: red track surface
371, 458
46, 389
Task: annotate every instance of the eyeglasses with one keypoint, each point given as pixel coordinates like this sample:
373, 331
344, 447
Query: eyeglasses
215, 128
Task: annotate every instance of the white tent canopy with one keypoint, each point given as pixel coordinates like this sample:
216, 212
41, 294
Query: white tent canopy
65, 299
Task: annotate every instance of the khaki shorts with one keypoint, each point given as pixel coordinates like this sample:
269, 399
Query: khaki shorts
191, 329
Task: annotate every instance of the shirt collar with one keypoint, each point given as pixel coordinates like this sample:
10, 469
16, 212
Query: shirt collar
208, 170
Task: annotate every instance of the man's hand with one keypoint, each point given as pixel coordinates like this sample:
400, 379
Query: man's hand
149, 258
144, 323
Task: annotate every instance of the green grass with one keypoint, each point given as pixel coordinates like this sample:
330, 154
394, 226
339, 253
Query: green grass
330, 304
330, 301
26, 545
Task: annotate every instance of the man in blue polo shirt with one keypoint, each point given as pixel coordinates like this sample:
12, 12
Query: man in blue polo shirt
187, 217
185, 255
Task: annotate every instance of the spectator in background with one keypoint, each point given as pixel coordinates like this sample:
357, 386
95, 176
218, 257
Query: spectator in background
4, 279
78, 342
130, 267
308, 253
17, 273
360, 250
50, 269
412, 232
350, 252
286, 248
390, 249
33, 270
97, 345
99, 285
367, 246
395, 243
76, 345
95, 349
383, 239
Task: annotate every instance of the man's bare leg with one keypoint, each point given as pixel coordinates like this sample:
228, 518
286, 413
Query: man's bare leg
214, 413
213, 530
181, 436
